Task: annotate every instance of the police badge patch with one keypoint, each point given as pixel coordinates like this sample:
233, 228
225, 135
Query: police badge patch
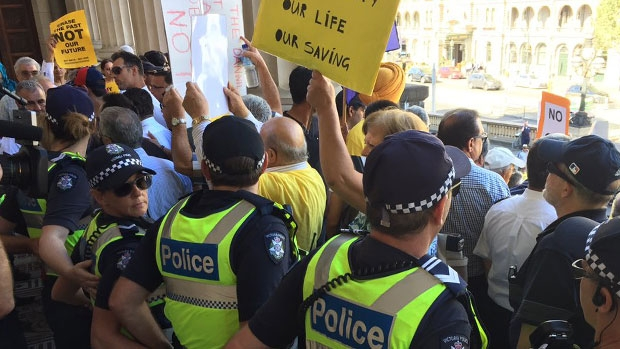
123, 260
114, 149
455, 342
66, 181
275, 244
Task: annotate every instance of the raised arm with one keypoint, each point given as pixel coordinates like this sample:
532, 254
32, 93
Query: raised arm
338, 170
181, 150
270, 90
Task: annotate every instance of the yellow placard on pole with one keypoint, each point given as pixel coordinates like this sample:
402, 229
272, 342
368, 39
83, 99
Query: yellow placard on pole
554, 114
345, 40
74, 48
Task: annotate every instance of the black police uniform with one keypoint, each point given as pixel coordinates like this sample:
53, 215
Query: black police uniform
277, 323
258, 272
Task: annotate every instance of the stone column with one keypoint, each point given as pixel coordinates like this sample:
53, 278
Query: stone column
115, 24
90, 11
148, 25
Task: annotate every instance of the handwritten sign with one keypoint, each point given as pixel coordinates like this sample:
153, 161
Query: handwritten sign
74, 48
554, 114
178, 24
345, 40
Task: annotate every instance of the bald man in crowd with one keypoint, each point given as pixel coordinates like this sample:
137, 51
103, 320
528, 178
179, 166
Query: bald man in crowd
289, 178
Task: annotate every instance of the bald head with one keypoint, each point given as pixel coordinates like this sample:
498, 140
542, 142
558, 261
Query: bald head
284, 142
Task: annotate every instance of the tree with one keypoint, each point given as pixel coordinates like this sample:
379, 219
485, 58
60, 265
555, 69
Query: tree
607, 25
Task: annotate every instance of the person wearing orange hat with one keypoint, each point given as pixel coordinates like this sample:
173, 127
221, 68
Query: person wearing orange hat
389, 85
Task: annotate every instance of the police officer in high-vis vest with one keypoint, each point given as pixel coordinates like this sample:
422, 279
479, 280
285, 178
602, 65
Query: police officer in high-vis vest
119, 184
220, 253
382, 290
56, 221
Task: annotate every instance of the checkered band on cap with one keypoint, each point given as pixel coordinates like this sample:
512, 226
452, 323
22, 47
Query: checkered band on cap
101, 176
426, 203
217, 169
598, 266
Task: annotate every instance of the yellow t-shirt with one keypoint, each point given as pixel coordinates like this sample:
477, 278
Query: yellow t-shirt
111, 87
355, 140
304, 190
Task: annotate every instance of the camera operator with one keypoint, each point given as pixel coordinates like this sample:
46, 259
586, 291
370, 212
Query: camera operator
34, 95
56, 219
599, 290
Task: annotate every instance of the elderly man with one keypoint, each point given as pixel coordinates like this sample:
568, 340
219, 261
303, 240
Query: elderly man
25, 69
503, 162
289, 179
480, 189
584, 174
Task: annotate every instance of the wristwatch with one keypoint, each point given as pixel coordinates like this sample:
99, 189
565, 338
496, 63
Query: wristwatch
176, 121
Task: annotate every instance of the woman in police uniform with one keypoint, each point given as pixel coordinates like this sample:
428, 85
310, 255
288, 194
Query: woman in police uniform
53, 221
119, 185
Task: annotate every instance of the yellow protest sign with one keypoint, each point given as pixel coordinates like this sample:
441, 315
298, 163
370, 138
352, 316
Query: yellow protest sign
74, 49
344, 39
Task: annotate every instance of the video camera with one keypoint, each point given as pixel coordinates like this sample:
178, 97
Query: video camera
27, 169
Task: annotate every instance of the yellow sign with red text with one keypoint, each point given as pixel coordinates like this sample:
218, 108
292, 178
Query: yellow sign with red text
345, 40
74, 48
554, 115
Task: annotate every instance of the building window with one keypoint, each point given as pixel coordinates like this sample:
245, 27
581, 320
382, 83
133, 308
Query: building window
514, 16
526, 54
528, 15
407, 20
416, 20
489, 51
543, 17
566, 15
584, 14
541, 54
398, 20
513, 53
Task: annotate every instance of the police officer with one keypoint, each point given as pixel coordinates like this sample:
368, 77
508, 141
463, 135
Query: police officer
220, 253
382, 290
119, 185
54, 222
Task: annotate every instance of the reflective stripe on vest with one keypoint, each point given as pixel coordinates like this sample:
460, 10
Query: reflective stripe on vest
193, 256
98, 239
387, 316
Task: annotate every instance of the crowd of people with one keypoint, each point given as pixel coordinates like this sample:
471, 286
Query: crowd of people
166, 226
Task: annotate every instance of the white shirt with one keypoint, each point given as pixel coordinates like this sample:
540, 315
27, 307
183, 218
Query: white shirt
157, 113
509, 235
161, 133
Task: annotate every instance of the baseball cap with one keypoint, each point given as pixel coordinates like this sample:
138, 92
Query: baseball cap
592, 161
602, 256
411, 171
64, 99
92, 78
110, 165
499, 157
229, 137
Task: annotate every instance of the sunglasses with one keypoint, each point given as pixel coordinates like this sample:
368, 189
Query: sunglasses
456, 187
484, 136
117, 70
141, 183
553, 168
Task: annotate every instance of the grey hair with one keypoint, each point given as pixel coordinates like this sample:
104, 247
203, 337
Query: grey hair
258, 107
30, 85
121, 125
25, 61
288, 153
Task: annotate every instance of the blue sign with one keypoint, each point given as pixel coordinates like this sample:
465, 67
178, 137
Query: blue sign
198, 261
350, 324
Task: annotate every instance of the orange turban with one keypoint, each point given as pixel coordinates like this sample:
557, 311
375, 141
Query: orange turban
390, 84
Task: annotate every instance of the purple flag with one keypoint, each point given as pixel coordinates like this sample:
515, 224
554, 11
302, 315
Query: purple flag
393, 41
